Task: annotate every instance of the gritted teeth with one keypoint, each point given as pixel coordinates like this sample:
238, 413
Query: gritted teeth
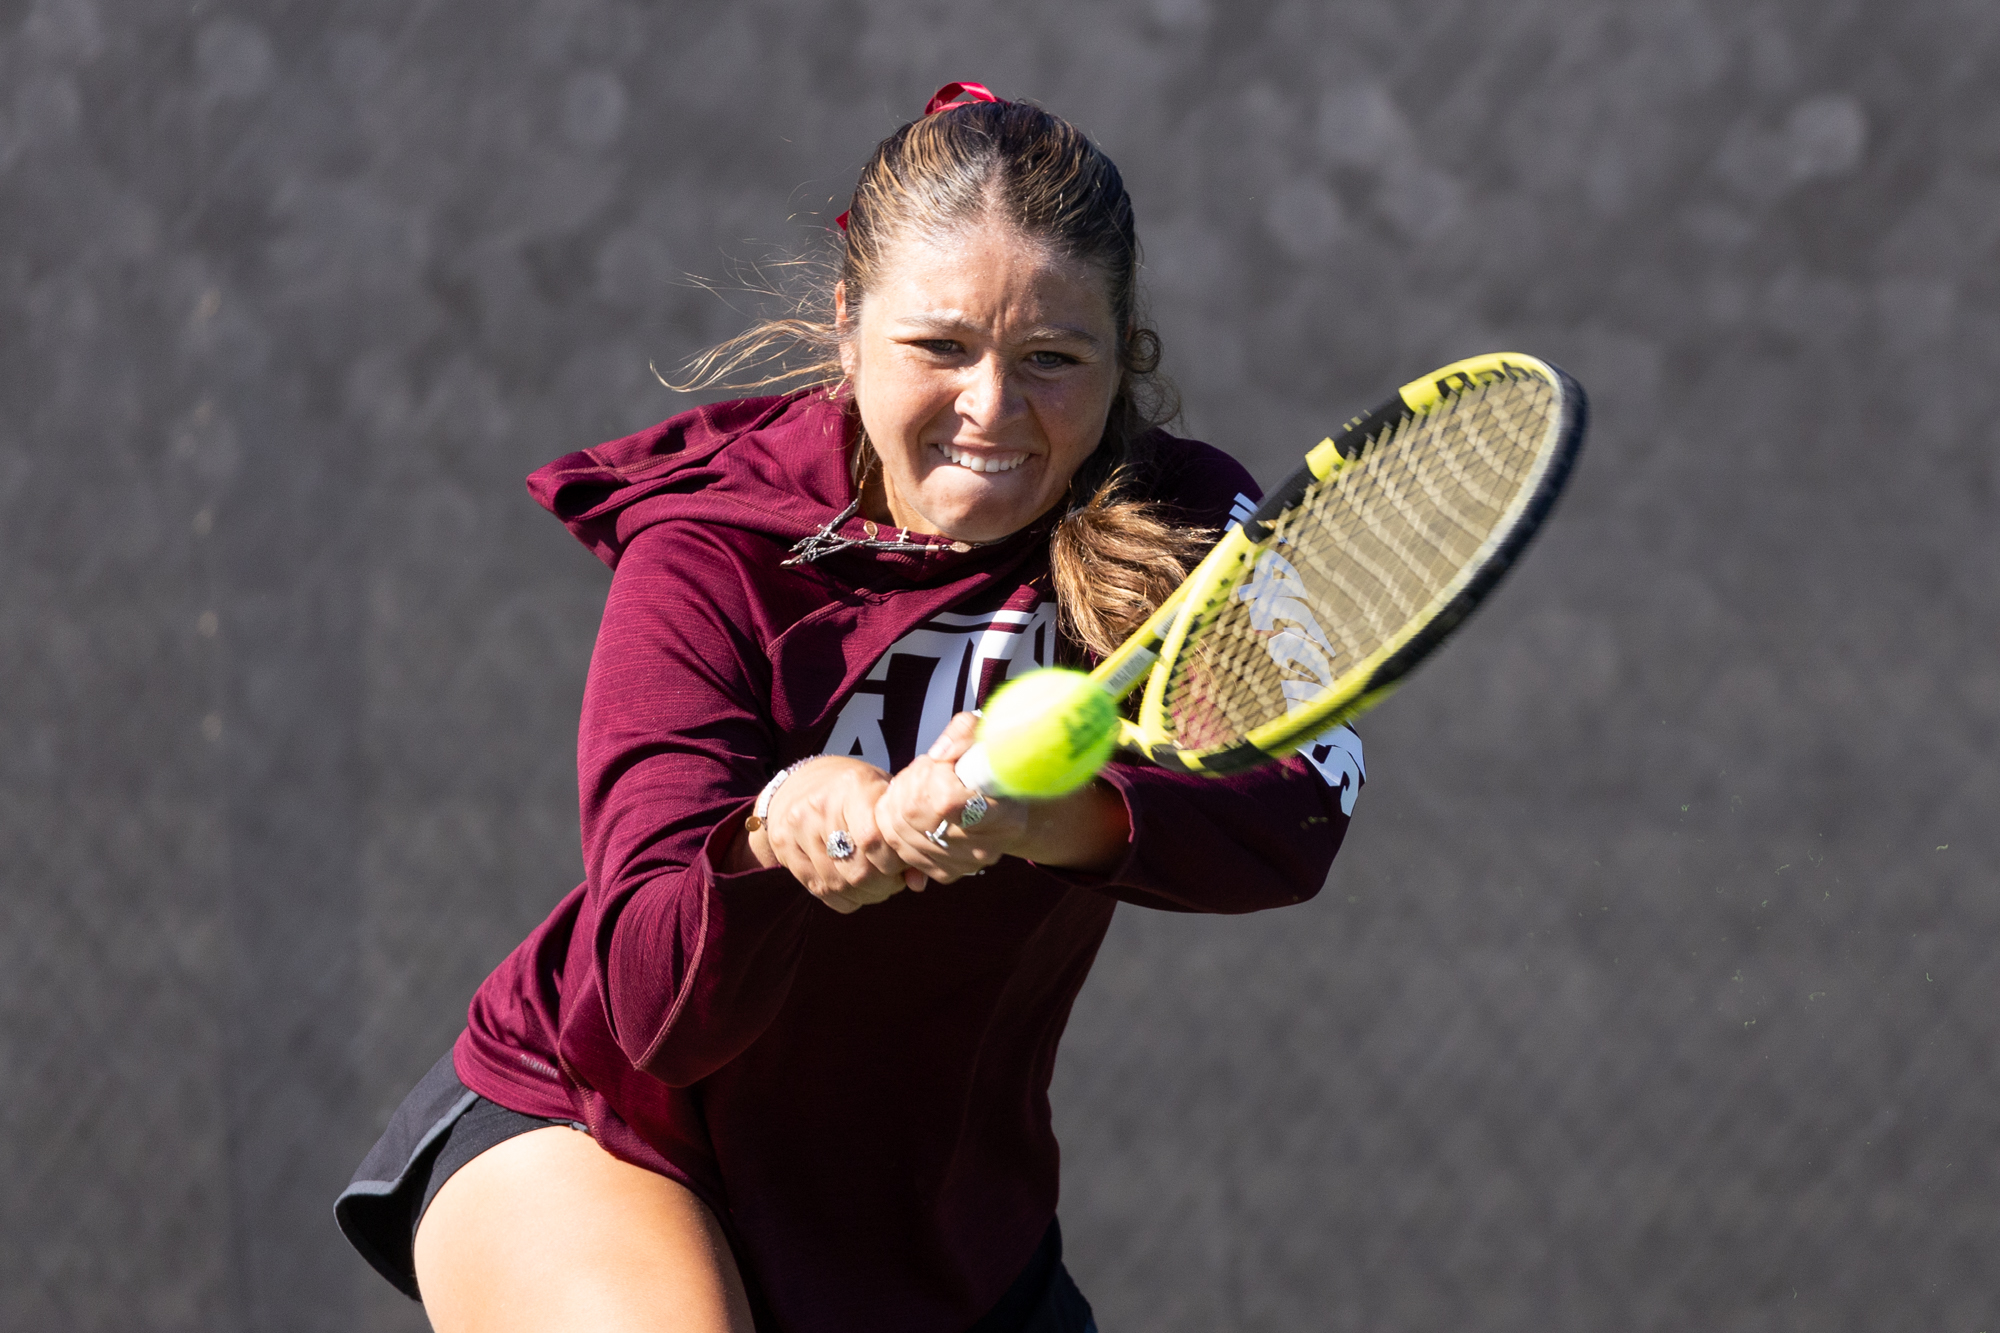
966, 459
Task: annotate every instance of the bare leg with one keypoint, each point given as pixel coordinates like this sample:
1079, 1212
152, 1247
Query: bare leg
547, 1232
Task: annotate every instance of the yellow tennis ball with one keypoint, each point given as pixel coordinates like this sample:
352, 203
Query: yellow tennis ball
1048, 732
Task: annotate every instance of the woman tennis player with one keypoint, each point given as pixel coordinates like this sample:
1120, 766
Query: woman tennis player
782, 1061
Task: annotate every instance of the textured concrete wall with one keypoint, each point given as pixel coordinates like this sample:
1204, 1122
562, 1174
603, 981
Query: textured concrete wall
1655, 988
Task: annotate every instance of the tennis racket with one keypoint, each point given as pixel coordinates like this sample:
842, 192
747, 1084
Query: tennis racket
1349, 574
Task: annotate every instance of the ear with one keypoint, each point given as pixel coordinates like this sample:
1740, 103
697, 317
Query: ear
844, 329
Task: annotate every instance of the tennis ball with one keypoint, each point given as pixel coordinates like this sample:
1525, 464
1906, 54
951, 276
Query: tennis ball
1048, 732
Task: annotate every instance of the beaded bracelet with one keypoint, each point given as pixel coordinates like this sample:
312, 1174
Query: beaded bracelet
760, 812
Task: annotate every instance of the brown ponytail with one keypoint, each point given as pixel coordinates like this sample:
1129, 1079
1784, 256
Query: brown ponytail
1114, 554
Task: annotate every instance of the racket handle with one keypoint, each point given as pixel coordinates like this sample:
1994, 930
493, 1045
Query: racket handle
975, 771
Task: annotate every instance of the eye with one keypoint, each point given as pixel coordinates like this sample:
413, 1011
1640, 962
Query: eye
1050, 360
938, 346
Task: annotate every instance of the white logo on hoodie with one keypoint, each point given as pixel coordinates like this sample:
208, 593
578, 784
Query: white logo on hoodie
941, 668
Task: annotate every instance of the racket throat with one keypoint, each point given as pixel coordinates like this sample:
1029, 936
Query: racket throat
1129, 672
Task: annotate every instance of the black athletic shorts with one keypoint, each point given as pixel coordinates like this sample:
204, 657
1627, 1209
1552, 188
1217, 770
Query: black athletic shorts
443, 1124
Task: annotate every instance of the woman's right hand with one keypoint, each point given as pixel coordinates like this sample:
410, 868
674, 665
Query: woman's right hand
830, 794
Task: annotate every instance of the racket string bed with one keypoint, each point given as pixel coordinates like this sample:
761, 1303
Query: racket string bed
1367, 539
1434, 453
1368, 551
1402, 473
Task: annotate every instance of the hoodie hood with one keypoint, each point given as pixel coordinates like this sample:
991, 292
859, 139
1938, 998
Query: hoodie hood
785, 478
776, 466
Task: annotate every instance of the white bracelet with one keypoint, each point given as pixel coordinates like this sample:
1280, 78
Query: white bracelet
762, 809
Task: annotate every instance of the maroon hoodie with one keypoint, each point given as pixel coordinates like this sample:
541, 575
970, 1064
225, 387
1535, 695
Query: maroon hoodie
862, 1099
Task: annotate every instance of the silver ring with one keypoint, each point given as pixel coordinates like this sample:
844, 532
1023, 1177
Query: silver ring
975, 810
838, 845
936, 835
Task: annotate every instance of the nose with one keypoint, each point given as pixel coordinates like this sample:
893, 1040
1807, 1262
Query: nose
989, 396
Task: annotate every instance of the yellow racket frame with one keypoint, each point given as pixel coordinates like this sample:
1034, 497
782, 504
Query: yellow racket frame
1150, 654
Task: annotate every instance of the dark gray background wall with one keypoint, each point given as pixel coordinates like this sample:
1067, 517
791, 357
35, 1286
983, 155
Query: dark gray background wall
1656, 986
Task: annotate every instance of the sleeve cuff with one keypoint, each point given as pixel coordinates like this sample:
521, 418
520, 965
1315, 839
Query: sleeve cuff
776, 880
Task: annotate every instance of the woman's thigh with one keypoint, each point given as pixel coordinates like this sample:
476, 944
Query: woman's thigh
548, 1232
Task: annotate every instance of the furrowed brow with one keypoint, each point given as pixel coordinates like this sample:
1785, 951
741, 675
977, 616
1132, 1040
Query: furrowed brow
946, 324
939, 322
1059, 333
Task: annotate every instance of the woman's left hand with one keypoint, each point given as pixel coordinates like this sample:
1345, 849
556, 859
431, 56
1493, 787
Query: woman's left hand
925, 802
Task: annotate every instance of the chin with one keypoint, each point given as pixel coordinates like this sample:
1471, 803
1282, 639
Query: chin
987, 517
978, 526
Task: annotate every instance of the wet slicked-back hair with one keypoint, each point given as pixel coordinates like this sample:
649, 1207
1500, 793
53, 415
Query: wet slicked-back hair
1114, 554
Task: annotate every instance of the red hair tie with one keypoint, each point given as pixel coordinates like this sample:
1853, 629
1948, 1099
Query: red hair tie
947, 97
944, 99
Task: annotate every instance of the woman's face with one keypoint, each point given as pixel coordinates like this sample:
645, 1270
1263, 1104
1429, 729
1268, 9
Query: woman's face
983, 366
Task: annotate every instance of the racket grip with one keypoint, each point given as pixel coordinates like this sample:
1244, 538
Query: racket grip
974, 770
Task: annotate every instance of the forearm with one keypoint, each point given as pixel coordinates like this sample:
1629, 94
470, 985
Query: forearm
1234, 844
698, 960
1086, 830
692, 949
